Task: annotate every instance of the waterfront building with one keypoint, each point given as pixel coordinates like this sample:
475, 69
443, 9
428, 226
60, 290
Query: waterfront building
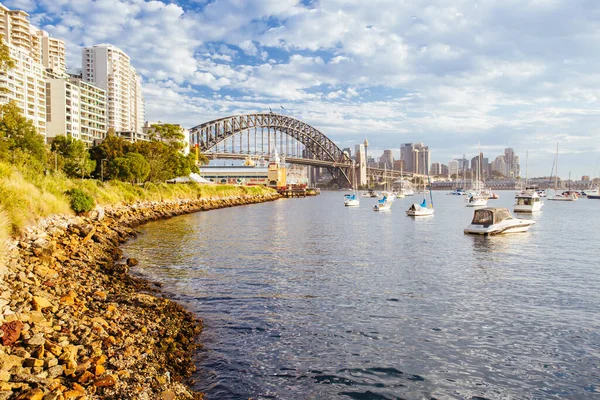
436, 169
108, 67
277, 171
33, 52
399, 165
75, 108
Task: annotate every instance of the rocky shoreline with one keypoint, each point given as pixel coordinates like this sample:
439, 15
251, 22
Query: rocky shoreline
75, 325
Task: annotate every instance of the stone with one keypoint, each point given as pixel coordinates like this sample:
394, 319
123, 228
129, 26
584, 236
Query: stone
33, 362
40, 303
69, 298
132, 262
34, 394
167, 395
11, 331
106, 381
36, 340
55, 371
85, 377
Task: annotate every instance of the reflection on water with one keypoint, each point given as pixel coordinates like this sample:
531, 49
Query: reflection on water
304, 298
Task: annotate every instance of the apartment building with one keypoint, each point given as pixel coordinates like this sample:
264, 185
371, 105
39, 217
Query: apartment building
33, 52
109, 68
75, 108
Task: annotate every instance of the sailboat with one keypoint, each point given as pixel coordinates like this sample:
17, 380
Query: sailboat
423, 209
477, 198
352, 200
387, 191
564, 196
385, 203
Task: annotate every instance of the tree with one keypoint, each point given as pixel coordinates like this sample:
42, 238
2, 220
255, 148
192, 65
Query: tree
111, 148
138, 166
77, 162
131, 168
18, 137
6, 62
170, 134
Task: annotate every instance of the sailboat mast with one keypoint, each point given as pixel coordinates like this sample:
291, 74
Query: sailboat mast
556, 177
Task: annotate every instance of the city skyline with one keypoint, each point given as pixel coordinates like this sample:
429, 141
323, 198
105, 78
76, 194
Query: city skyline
448, 74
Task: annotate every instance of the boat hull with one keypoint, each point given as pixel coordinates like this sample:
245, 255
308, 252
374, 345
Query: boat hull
420, 213
593, 196
351, 203
381, 207
515, 226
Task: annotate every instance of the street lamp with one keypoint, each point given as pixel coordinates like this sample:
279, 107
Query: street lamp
102, 169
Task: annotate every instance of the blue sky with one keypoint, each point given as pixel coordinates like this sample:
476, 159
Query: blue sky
449, 73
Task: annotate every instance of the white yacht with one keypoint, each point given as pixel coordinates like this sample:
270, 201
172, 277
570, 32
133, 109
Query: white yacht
495, 221
382, 204
528, 201
476, 200
420, 210
351, 200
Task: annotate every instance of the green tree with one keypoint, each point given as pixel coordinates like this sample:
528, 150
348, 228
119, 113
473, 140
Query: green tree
76, 159
138, 166
170, 134
19, 140
111, 148
6, 62
119, 169
131, 168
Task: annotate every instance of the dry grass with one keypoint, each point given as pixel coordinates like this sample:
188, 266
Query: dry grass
4, 235
26, 197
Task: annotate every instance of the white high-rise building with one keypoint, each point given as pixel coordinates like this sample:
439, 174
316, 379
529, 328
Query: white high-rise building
33, 53
109, 68
77, 109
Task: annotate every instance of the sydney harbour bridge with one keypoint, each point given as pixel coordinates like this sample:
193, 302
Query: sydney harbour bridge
257, 135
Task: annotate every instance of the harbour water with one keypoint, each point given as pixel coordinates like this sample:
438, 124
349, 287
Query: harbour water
307, 299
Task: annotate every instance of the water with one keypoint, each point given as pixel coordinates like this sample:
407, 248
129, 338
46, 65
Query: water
306, 299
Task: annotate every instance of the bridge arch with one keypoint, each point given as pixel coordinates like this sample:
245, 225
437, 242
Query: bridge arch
320, 150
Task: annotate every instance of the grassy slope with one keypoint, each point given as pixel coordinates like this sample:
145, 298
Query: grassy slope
26, 197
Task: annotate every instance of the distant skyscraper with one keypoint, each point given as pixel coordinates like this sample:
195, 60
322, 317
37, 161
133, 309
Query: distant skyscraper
453, 168
387, 159
512, 163
436, 169
416, 157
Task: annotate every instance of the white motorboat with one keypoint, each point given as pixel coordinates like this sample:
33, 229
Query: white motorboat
476, 200
382, 204
370, 193
495, 221
528, 201
565, 196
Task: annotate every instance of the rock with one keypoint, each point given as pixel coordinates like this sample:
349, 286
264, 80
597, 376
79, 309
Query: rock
106, 381
34, 394
33, 362
11, 331
132, 262
68, 299
36, 340
55, 371
168, 395
41, 303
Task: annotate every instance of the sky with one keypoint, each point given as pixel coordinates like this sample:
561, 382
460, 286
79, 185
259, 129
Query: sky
449, 73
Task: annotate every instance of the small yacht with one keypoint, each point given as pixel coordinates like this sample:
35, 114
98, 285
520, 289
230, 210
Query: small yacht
495, 221
351, 200
419, 210
382, 204
476, 200
564, 196
528, 201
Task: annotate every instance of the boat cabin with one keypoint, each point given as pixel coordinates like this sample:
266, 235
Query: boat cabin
490, 216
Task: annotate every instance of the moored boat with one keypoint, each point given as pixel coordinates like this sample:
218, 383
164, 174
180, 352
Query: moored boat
528, 201
382, 204
495, 221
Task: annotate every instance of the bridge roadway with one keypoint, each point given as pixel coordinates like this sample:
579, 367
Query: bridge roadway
375, 172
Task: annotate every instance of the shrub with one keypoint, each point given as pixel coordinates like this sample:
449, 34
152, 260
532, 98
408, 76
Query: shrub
80, 202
